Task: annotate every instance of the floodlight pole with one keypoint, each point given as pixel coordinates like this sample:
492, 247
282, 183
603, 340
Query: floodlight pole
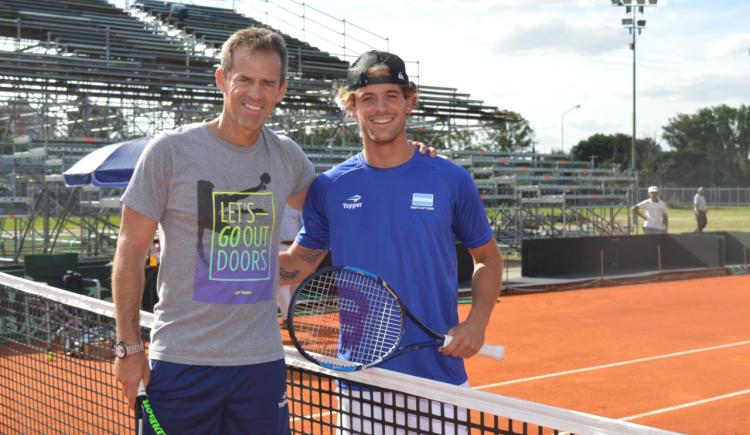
633, 167
562, 126
635, 26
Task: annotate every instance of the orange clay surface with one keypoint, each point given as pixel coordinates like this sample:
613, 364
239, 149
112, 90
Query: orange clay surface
673, 355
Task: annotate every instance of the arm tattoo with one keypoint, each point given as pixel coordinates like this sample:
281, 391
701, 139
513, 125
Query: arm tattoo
311, 255
288, 275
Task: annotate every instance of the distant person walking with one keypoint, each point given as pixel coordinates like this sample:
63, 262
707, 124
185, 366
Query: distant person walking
700, 209
656, 220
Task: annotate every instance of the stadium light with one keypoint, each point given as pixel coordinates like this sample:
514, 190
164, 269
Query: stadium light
635, 23
562, 125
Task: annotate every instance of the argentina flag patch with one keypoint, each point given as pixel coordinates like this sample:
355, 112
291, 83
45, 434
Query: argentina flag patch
422, 201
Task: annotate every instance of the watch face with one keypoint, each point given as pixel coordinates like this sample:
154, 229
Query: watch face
120, 351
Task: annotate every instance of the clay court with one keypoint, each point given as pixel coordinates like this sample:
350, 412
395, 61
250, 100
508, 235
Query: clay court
673, 355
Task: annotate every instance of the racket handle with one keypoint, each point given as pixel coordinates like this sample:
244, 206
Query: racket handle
496, 352
141, 389
140, 395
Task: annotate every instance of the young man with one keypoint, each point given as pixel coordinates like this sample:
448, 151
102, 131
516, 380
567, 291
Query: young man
656, 219
396, 213
217, 190
700, 209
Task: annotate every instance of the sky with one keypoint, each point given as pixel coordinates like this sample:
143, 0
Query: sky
541, 58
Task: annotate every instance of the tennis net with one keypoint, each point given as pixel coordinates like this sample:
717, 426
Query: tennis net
55, 377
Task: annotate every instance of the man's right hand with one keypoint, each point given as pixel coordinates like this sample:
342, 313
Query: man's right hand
129, 371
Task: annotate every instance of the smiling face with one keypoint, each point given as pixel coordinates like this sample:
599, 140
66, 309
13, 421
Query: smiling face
381, 111
251, 90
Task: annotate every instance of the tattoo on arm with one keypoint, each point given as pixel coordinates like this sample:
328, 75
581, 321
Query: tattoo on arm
288, 275
311, 255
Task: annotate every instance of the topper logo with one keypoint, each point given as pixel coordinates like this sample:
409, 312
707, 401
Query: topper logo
353, 202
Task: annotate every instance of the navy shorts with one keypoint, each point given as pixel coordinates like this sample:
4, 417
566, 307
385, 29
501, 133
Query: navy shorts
188, 399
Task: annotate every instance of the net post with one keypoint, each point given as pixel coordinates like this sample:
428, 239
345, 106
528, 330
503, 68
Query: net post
507, 277
658, 255
601, 264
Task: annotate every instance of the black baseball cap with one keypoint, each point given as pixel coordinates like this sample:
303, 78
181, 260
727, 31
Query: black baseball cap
357, 76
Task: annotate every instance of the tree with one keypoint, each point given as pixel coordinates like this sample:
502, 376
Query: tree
615, 149
515, 134
675, 168
721, 136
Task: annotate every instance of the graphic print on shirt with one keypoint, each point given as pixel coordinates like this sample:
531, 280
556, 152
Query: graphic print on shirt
235, 266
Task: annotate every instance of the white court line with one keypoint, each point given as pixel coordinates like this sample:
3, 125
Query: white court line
685, 405
617, 364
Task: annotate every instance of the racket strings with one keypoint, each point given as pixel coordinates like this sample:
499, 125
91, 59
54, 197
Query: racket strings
346, 318
381, 331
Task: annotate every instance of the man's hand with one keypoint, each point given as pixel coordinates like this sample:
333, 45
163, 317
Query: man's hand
468, 338
423, 149
129, 371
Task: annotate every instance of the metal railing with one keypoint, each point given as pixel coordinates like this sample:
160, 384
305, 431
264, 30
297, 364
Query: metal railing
714, 195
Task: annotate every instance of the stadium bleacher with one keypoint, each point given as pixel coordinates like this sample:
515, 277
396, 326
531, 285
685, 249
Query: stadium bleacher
212, 26
143, 63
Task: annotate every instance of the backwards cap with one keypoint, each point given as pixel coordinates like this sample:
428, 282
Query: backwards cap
357, 76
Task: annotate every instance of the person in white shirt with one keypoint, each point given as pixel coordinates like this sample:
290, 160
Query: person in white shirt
700, 209
656, 220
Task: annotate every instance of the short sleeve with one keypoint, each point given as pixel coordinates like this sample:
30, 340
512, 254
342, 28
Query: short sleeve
315, 232
148, 190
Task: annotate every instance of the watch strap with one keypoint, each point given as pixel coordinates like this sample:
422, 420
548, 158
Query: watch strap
131, 348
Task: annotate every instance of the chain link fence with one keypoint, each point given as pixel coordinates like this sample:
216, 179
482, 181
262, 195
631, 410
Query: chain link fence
714, 195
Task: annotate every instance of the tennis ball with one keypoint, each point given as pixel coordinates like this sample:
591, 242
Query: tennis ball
50, 356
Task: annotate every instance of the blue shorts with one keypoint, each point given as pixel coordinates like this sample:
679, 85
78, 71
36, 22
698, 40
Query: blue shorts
188, 399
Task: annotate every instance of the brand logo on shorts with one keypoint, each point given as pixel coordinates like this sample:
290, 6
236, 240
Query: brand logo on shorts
353, 202
283, 401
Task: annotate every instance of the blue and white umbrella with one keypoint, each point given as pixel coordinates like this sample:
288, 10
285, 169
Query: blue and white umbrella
108, 166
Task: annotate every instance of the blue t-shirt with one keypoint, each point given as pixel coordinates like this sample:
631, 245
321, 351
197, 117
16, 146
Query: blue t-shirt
401, 224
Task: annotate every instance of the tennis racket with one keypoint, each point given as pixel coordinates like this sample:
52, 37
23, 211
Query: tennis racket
348, 319
142, 405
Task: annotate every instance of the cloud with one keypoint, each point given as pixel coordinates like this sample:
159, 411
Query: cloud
561, 36
707, 89
733, 45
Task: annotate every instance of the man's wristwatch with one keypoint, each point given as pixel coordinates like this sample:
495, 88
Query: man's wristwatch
122, 350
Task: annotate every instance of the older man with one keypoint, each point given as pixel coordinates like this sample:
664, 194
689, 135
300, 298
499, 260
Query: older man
215, 189
700, 209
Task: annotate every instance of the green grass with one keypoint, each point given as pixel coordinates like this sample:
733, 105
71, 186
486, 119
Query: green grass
72, 224
726, 218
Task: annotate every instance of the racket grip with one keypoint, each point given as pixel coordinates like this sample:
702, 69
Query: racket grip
141, 389
140, 395
496, 352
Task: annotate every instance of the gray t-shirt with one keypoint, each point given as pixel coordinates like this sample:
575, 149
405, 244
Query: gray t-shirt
219, 207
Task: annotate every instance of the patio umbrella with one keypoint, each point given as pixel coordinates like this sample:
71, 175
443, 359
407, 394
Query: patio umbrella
109, 166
